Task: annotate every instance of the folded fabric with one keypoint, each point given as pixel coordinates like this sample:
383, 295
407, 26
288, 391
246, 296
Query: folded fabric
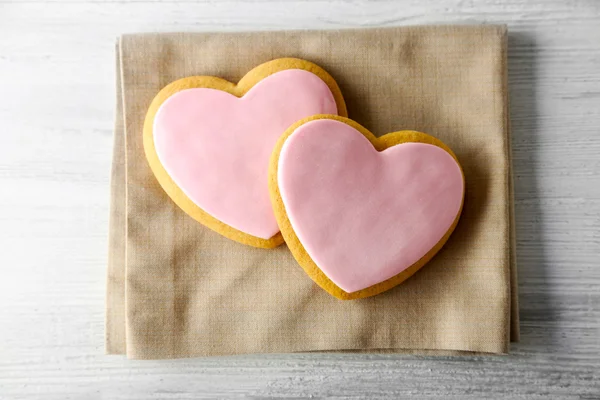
177, 289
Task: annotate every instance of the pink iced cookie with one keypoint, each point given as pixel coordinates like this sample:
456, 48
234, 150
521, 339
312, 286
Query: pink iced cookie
215, 143
362, 214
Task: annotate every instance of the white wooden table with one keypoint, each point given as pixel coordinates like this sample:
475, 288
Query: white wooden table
56, 118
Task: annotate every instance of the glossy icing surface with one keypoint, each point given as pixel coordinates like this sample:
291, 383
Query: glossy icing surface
364, 216
216, 146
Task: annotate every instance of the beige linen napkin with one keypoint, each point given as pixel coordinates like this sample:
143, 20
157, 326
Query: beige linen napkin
177, 289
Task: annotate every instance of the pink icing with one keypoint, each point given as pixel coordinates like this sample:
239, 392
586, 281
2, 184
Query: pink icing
216, 147
365, 216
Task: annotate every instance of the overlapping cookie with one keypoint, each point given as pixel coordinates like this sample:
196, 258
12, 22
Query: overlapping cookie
208, 142
362, 214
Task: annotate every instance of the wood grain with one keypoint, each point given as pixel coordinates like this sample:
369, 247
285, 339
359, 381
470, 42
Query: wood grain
56, 111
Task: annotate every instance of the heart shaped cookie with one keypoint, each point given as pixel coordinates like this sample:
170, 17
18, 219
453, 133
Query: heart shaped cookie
362, 214
208, 142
